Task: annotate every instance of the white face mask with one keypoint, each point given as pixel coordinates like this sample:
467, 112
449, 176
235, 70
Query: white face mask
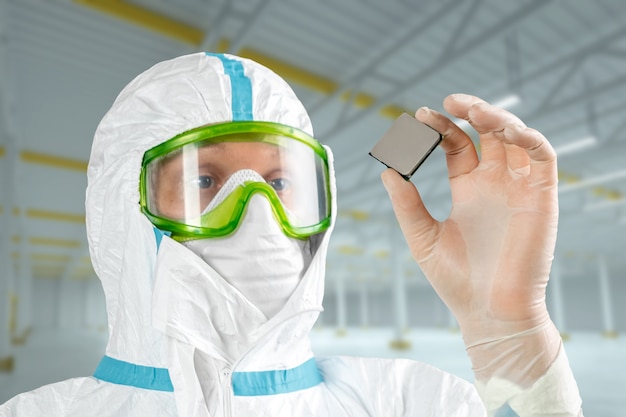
259, 260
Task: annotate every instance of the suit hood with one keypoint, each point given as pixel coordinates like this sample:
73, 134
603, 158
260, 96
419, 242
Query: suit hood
172, 97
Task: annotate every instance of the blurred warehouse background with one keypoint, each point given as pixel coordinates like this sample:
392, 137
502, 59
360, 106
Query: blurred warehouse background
355, 64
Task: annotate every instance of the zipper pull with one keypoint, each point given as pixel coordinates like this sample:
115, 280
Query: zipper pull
228, 391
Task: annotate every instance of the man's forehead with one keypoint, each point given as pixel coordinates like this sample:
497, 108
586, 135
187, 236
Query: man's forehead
241, 148
217, 152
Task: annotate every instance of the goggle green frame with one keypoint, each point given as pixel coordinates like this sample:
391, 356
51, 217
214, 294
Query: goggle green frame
225, 217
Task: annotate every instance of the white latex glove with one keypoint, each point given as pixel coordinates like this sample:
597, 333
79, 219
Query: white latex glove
490, 260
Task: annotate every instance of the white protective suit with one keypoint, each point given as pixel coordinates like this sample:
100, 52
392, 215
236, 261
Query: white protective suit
182, 340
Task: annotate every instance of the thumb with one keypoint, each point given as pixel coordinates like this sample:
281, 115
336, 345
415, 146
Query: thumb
417, 225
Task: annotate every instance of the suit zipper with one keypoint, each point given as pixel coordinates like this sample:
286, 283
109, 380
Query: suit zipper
228, 391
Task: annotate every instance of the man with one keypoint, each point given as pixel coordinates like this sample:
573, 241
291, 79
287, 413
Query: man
209, 211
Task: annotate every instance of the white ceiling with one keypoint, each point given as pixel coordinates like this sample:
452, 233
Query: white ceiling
63, 62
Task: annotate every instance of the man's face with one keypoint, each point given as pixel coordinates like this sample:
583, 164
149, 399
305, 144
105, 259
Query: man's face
190, 179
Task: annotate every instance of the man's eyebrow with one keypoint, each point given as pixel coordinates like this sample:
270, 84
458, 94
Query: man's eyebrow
277, 151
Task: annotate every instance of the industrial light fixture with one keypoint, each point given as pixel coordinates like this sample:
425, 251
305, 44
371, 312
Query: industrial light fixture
611, 176
507, 102
576, 146
604, 205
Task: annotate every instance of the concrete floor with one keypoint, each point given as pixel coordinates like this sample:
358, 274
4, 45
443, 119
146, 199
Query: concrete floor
598, 363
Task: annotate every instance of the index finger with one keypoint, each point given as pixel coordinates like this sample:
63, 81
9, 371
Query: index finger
461, 156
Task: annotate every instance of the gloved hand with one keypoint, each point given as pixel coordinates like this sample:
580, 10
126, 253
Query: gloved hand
490, 260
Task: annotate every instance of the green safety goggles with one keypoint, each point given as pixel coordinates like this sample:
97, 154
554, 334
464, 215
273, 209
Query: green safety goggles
198, 184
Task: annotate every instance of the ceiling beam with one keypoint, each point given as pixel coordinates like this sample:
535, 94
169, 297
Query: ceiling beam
53, 161
55, 216
214, 32
148, 19
383, 53
253, 19
567, 102
451, 55
167, 26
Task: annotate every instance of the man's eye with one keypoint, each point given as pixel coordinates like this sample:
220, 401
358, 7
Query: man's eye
204, 181
279, 184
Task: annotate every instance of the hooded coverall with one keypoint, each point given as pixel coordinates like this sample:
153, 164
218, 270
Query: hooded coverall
182, 341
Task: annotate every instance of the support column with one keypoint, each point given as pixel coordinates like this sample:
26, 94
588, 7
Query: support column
606, 301
6, 271
558, 313
365, 308
453, 325
341, 306
23, 286
399, 294
70, 312
7, 182
95, 309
